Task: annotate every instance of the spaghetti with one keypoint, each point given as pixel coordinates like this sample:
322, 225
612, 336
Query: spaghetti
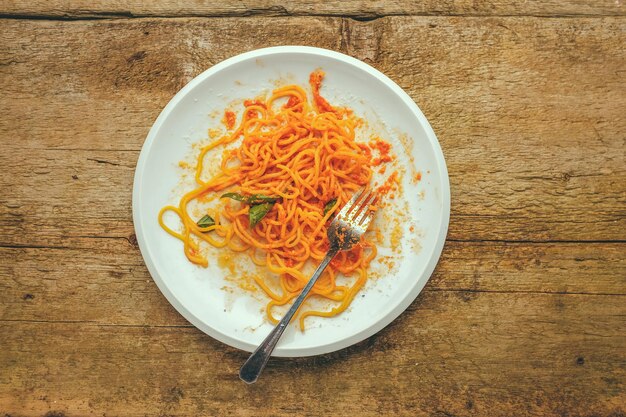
297, 164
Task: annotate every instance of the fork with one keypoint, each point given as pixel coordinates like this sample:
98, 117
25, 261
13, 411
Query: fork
344, 232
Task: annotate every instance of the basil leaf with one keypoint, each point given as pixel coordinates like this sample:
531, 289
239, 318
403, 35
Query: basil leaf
206, 221
251, 200
234, 196
259, 198
330, 205
257, 213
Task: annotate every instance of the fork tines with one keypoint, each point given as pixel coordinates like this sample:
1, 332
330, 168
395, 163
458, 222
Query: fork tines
357, 210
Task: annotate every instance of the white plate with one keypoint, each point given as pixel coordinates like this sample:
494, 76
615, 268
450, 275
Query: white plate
236, 319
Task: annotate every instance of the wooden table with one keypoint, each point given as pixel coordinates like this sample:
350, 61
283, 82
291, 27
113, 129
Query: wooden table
526, 312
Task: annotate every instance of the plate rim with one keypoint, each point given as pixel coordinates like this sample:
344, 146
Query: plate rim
386, 318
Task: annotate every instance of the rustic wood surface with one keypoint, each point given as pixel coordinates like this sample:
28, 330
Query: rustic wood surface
525, 313
360, 9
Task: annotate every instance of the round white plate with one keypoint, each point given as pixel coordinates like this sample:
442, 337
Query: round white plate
235, 319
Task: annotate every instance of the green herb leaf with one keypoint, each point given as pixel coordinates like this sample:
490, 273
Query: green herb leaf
252, 199
234, 196
259, 198
257, 213
206, 221
329, 206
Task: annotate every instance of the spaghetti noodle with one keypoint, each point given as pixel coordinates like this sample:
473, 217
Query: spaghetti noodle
297, 164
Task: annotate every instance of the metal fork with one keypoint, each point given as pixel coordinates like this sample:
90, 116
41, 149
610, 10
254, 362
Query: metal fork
344, 232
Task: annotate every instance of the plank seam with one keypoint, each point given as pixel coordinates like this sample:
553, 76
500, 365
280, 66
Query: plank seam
472, 290
539, 241
263, 14
168, 326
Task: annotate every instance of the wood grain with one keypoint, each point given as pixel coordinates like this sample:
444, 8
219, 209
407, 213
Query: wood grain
543, 354
104, 281
525, 312
528, 111
532, 309
76, 9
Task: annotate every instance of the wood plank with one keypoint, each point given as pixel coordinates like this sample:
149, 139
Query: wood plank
532, 267
105, 281
495, 354
528, 111
78, 184
76, 9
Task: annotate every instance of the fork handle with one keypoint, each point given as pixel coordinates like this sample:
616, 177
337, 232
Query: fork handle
255, 364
